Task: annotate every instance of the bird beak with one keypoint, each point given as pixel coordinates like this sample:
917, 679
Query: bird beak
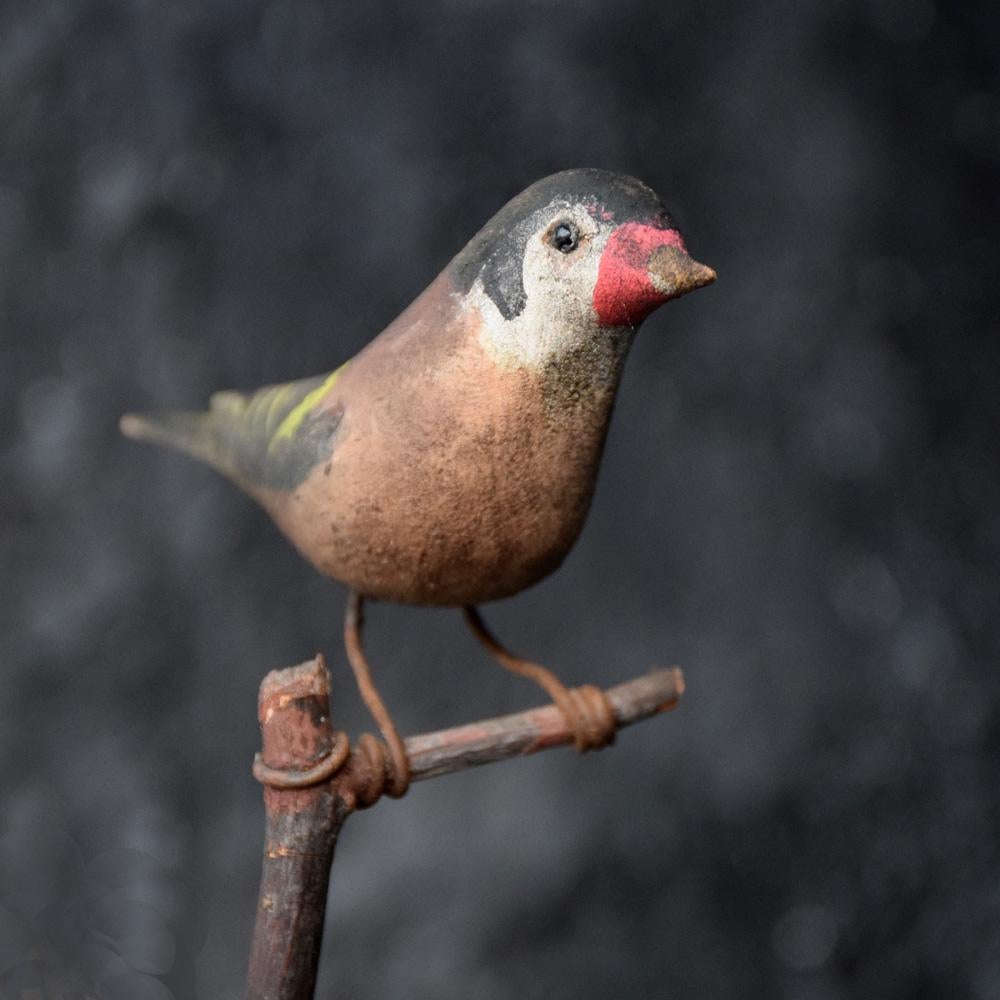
673, 273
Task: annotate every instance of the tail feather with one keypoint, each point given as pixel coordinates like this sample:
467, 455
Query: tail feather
229, 401
194, 433
269, 439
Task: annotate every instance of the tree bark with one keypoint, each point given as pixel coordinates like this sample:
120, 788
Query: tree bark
301, 832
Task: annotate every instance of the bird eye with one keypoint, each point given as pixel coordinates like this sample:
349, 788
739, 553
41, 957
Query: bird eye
564, 236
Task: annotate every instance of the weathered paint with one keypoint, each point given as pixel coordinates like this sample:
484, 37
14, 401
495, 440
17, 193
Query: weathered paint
495, 255
624, 292
454, 460
292, 421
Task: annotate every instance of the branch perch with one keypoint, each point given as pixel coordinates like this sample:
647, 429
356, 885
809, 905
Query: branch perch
434, 754
303, 822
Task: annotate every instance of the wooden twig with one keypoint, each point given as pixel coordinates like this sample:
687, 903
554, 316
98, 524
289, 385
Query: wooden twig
537, 729
300, 835
303, 822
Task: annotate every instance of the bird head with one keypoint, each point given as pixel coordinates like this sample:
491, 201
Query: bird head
582, 256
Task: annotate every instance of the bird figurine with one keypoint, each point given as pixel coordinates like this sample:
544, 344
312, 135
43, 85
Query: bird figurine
452, 461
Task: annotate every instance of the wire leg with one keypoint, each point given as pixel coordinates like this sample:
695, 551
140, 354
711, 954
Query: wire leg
586, 709
353, 621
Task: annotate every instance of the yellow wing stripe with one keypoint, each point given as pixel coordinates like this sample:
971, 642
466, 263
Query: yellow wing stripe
294, 418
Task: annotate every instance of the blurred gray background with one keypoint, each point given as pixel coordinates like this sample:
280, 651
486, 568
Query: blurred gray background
798, 503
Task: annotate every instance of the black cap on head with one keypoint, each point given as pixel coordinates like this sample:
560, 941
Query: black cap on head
497, 251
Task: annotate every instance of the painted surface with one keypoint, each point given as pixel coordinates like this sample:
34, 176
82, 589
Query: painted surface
625, 294
454, 459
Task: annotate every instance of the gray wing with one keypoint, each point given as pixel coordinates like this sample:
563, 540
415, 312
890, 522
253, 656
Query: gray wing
271, 439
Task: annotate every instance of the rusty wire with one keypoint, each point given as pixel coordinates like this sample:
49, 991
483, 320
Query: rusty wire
322, 771
586, 709
377, 767
398, 778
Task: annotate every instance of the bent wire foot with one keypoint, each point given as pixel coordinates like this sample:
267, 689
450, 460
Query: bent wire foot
586, 709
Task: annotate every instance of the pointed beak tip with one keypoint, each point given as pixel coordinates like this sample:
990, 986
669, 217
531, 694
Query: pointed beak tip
704, 275
675, 273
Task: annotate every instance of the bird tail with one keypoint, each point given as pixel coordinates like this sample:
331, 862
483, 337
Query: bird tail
265, 439
196, 433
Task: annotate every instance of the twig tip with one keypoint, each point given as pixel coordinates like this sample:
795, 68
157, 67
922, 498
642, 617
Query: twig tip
300, 681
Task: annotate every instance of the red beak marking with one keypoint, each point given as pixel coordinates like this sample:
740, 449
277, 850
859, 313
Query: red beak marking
624, 293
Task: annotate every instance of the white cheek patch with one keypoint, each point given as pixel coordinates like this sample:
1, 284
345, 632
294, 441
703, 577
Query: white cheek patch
558, 314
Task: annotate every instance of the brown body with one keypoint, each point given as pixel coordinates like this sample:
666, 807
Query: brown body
454, 459
452, 480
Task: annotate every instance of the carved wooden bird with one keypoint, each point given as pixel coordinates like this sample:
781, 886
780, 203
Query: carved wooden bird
453, 460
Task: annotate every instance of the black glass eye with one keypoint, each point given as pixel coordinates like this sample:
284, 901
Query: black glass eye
564, 237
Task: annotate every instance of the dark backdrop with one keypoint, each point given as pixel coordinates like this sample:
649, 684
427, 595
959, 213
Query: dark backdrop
798, 502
